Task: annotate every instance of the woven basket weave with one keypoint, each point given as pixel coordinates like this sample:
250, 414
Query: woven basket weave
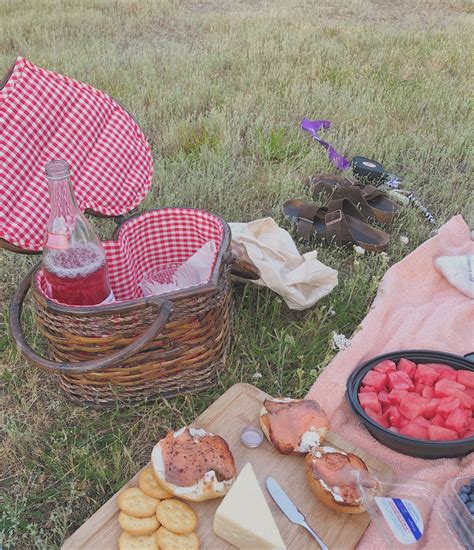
135, 349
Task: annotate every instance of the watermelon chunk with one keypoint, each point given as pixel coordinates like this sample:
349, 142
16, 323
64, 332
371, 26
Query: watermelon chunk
469, 433
459, 421
367, 389
407, 366
425, 374
445, 371
422, 421
419, 387
431, 407
413, 405
447, 405
399, 380
415, 430
377, 380
370, 401
379, 418
466, 378
392, 414
384, 400
466, 400
438, 420
427, 392
385, 366
396, 396
446, 388
437, 433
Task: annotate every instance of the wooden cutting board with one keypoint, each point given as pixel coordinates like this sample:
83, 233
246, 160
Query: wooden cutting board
238, 407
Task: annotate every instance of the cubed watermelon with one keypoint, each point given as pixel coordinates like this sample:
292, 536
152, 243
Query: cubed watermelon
447, 405
427, 392
384, 400
392, 414
399, 380
371, 401
466, 400
446, 388
469, 433
419, 387
445, 371
404, 421
396, 396
415, 430
466, 378
407, 366
376, 380
413, 405
431, 407
459, 421
437, 433
379, 418
385, 366
422, 421
470, 392
426, 375
367, 389
438, 420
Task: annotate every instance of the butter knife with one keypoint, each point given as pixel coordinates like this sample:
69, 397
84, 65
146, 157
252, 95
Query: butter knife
287, 506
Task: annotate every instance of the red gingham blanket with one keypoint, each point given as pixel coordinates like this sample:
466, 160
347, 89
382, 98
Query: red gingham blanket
154, 238
43, 116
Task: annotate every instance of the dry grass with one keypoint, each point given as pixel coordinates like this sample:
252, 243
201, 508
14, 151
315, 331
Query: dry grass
220, 88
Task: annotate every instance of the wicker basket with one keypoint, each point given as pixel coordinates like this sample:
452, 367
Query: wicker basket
135, 349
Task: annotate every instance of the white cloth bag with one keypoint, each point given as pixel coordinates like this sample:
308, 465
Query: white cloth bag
300, 280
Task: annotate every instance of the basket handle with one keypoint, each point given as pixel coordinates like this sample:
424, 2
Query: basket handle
16, 306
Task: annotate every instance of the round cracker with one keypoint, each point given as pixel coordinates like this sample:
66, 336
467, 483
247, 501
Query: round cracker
150, 486
142, 542
176, 516
138, 526
168, 540
134, 502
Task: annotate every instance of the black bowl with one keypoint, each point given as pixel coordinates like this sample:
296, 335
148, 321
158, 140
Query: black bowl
408, 445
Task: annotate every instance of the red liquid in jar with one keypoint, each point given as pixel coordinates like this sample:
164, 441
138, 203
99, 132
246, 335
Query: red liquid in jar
78, 275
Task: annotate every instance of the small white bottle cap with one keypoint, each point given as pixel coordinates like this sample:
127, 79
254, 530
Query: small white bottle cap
251, 436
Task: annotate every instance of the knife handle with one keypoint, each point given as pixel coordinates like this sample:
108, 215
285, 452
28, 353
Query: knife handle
315, 536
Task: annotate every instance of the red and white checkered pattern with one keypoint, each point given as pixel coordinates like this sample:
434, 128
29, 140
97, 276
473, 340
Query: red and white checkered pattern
152, 239
45, 116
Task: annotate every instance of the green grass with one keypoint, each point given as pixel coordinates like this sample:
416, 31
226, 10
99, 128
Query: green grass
220, 88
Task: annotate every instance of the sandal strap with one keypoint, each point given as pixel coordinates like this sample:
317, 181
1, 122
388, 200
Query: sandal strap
337, 227
306, 218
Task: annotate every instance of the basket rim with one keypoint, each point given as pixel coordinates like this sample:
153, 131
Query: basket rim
130, 305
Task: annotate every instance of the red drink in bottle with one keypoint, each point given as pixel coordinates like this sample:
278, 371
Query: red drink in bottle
74, 262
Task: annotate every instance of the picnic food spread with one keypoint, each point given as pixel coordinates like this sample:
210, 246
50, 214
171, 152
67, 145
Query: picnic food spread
194, 464
293, 425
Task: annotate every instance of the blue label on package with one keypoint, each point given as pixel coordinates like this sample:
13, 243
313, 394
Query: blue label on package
408, 518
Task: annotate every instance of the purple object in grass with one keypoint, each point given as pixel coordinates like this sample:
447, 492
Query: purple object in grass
313, 126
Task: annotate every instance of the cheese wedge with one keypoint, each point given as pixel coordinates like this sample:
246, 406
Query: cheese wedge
244, 519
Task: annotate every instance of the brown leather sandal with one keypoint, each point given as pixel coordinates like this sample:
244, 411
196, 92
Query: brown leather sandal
372, 202
243, 266
340, 222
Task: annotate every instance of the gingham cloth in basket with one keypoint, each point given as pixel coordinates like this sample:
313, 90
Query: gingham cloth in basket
152, 239
43, 116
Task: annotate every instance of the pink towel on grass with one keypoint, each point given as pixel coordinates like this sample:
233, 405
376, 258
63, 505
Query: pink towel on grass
415, 308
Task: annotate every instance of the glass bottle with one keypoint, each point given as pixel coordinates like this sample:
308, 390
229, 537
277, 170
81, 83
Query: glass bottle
74, 261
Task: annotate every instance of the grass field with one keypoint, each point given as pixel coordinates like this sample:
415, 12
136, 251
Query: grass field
219, 88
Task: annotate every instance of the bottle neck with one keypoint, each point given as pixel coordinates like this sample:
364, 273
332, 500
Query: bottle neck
62, 200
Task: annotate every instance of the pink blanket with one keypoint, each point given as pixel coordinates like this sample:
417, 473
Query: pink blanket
415, 308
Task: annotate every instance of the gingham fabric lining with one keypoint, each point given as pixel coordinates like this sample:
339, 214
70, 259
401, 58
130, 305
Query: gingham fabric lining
152, 239
43, 116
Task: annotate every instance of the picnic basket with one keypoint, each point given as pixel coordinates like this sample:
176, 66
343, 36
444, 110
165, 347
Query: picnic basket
136, 347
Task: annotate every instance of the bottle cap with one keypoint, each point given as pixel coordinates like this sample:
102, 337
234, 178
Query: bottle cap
251, 436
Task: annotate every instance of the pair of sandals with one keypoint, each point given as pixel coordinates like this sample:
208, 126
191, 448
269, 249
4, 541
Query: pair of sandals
344, 219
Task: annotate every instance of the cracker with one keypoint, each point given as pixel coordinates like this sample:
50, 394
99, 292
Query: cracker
172, 541
138, 526
176, 516
134, 502
150, 486
142, 542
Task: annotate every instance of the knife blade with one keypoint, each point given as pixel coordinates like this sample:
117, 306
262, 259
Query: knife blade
290, 510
